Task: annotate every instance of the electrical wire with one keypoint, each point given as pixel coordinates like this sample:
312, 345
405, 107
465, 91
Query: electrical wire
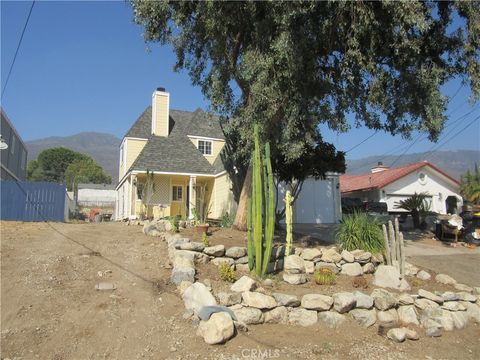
18, 48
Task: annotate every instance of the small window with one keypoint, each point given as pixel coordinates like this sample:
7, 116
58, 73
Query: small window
205, 147
422, 178
177, 194
12, 147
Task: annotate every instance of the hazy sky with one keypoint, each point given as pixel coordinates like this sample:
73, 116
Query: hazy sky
83, 66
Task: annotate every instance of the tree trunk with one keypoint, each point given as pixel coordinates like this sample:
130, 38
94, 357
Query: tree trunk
240, 222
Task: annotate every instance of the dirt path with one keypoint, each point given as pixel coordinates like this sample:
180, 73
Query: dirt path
51, 310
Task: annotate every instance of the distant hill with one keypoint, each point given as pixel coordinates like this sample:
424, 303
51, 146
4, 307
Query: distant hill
454, 162
103, 148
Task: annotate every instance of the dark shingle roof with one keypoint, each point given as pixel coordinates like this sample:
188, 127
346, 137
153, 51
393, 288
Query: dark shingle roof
142, 128
218, 166
176, 153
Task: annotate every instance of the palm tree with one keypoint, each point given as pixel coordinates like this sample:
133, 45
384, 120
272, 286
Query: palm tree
418, 206
470, 186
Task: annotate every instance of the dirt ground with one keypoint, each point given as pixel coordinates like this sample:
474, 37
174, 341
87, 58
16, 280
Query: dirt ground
51, 310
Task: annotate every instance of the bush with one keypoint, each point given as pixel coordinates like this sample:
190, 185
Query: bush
360, 231
227, 220
205, 241
324, 276
227, 273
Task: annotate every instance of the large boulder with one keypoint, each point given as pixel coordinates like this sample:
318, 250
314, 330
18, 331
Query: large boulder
311, 254
408, 315
347, 256
223, 260
294, 279
197, 296
217, 250
397, 334
294, 264
286, 300
321, 265
445, 279
245, 283
218, 329
332, 319
236, 252
258, 300
331, 256
383, 300
366, 318
229, 299
430, 296
279, 315
192, 246
178, 275
423, 275
363, 301
388, 316
353, 269
317, 302
388, 276
423, 304
248, 315
344, 302
302, 317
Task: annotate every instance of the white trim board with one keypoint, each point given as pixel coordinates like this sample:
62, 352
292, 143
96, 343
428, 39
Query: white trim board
204, 138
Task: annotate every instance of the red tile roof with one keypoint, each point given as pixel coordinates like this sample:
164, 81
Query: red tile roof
378, 180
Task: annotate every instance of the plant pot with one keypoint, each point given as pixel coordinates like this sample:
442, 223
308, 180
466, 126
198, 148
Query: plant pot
202, 228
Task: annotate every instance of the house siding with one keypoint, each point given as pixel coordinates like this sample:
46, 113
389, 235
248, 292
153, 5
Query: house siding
223, 197
160, 113
133, 147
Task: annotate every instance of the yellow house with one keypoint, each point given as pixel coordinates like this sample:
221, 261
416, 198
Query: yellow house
180, 151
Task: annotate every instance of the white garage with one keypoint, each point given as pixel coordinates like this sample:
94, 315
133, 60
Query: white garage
318, 202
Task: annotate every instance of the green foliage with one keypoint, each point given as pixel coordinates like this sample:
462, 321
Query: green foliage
292, 66
205, 241
418, 205
51, 164
360, 231
227, 220
174, 222
227, 273
288, 221
470, 186
85, 171
261, 209
324, 276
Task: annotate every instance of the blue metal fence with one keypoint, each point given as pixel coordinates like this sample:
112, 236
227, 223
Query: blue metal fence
32, 201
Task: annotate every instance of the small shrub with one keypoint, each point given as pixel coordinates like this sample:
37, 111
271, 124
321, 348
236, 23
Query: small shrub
227, 273
227, 220
416, 282
324, 276
360, 231
174, 222
205, 241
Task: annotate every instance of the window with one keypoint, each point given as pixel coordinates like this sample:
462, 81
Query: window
177, 194
12, 147
23, 160
205, 147
422, 178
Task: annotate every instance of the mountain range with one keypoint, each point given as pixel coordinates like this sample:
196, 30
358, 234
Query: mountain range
104, 148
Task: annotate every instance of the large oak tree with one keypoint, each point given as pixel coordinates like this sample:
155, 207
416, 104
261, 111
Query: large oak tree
291, 66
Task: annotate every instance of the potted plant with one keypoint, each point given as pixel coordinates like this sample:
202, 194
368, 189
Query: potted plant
201, 219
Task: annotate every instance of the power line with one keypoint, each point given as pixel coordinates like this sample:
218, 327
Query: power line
360, 143
18, 48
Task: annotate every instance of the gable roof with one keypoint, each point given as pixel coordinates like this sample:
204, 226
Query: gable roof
176, 152
378, 180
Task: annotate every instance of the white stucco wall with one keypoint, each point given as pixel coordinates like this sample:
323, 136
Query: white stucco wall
96, 197
435, 184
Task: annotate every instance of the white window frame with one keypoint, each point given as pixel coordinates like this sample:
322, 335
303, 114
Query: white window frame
205, 141
183, 193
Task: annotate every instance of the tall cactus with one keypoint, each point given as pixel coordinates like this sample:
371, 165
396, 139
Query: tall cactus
261, 215
250, 245
288, 221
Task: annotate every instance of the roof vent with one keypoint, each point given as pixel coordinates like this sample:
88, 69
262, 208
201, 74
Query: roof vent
379, 167
162, 89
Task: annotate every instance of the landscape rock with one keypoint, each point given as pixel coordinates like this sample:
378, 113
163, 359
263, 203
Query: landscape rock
423, 275
365, 318
331, 318
182, 274
433, 331
436, 317
295, 279
353, 269
191, 246
460, 319
430, 296
448, 295
463, 287
411, 334
331, 256
311, 254
309, 267
268, 282
397, 334
464, 296
317, 302
407, 315
347, 256
368, 268
383, 300
220, 260
236, 252
473, 311
286, 300
242, 260
197, 296
217, 250
405, 299
249, 316
445, 279
476, 290
243, 284
362, 256
257, 300
294, 264
334, 268
240, 326
411, 270
453, 306
218, 329
229, 299
242, 268
344, 302
279, 315
363, 301
302, 317
184, 285
387, 276
423, 304
388, 316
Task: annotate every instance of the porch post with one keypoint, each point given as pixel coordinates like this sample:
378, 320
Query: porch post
192, 196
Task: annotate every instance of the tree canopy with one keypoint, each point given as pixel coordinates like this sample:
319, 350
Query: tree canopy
291, 66
62, 165
470, 185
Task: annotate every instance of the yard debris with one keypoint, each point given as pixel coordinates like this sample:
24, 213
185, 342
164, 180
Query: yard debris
105, 286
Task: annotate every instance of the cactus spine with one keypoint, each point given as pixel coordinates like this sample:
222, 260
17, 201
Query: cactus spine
261, 216
288, 221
